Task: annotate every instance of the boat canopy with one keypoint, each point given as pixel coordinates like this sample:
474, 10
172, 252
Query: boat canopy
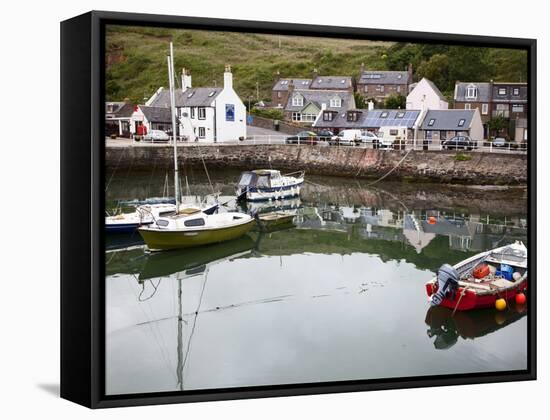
258, 178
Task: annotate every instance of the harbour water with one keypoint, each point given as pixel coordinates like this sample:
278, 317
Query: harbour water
339, 295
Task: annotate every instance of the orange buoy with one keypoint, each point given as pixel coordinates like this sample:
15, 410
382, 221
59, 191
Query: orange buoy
520, 298
500, 304
432, 220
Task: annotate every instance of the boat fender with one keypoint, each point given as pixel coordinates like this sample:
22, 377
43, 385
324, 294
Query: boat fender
447, 281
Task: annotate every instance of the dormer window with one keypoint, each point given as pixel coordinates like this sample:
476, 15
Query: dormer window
328, 116
298, 100
515, 92
336, 102
353, 116
471, 92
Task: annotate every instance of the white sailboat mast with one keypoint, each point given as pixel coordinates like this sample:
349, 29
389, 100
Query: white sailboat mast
170, 60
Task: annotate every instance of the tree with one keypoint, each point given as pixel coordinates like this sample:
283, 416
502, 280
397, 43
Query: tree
359, 101
498, 123
395, 101
436, 69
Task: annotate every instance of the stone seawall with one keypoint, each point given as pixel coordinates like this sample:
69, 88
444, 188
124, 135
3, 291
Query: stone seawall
431, 166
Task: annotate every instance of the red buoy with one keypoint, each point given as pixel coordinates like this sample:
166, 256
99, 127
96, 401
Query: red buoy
432, 220
520, 298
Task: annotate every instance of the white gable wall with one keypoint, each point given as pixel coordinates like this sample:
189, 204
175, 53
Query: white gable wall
423, 96
230, 130
476, 127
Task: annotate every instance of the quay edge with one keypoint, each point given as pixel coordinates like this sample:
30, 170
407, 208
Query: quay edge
425, 166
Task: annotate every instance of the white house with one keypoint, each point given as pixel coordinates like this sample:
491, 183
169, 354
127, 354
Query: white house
150, 117
206, 114
426, 95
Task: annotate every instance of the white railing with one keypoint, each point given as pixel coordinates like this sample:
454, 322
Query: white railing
293, 141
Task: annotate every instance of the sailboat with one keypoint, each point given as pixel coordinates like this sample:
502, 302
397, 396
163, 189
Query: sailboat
189, 227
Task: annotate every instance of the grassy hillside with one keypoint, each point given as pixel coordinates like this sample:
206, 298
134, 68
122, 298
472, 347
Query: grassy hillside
136, 60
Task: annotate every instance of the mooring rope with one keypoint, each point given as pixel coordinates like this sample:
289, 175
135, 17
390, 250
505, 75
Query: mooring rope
391, 170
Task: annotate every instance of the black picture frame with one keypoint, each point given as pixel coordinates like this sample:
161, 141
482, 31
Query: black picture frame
82, 209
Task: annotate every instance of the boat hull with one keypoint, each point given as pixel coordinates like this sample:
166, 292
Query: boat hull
123, 227
472, 300
272, 193
158, 239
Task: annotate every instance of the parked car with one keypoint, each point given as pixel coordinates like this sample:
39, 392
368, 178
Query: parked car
459, 142
500, 142
156, 136
368, 137
325, 135
303, 137
347, 138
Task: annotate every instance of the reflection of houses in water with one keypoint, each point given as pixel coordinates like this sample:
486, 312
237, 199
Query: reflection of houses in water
321, 218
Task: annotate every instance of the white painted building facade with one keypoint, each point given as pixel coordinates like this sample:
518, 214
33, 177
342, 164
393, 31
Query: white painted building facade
206, 114
426, 95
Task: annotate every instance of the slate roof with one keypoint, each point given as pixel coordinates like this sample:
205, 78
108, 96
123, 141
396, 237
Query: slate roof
375, 118
123, 109
509, 97
375, 77
319, 97
331, 82
299, 84
202, 96
483, 92
156, 113
448, 119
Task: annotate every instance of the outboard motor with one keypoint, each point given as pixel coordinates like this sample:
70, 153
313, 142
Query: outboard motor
447, 282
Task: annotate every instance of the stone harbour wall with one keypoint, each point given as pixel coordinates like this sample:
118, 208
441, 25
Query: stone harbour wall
432, 166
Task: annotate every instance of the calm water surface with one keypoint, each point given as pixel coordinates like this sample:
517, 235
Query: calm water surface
338, 296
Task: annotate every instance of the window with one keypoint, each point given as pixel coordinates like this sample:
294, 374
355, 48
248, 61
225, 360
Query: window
192, 112
384, 114
191, 94
461, 122
211, 93
467, 106
194, 222
484, 109
431, 122
335, 102
399, 88
394, 132
297, 100
202, 132
309, 117
353, 116
429, 134
327, 116
471, 92
502, 91
515, 92
296, 116
202, 113
400, 115
380, 88
366, 88
279, 94
517, 108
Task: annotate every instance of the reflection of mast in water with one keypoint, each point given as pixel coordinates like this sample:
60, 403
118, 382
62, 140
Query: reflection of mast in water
182, 359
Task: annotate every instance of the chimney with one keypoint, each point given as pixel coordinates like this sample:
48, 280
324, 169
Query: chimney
410, 71
362, 68
315, 73
185, 80
291, 87
370, 105
277, 76
228, 78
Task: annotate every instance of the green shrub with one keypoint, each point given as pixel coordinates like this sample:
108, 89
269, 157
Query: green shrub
462, 157
272, 114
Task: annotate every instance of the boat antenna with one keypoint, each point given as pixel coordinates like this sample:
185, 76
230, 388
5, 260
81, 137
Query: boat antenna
170, 60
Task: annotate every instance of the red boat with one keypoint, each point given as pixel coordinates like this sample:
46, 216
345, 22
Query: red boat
461, 287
